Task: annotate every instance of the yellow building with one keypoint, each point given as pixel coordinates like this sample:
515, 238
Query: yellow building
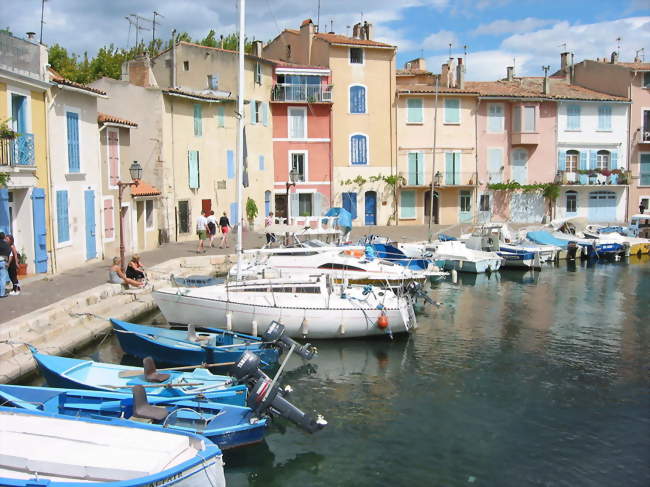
363, 113
24, 209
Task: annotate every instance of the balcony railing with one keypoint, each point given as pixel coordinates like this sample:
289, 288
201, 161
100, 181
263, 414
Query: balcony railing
20, 56
302, 92
18, 151
593, 178
643, 136
441, 178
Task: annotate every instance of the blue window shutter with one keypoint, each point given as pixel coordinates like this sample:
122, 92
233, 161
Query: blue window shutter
414, 110
561, 160
220, 116
253, 117
452, 110
193, 169
449, 168
62, 221
604, 117
261, 162
4, 211
265, 114
592, 159
40, 230
583, 160
420, 168
198, 126
350, 203
413, 168
357, 99
230, 158
234, 216
644, 170
359, 149
613, 160
73, 141
573, 117
407, 204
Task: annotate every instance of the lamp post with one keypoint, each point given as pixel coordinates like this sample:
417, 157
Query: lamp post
293, 175
136, 174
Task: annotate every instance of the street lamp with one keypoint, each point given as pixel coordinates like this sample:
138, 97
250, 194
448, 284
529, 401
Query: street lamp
293, 176
136, 174
438, 178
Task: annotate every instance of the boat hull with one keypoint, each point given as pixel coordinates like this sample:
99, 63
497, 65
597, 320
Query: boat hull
474, 267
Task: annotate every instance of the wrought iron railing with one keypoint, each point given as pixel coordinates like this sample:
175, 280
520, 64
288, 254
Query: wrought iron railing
18, 151
593, 177
302, 92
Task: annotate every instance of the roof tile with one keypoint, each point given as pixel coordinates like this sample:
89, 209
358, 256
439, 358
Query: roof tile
106, 118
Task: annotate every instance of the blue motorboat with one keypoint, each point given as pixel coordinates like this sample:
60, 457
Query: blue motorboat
589, 248
518, 258
44, 449
226, 425
383, 249
188, 347
76, 373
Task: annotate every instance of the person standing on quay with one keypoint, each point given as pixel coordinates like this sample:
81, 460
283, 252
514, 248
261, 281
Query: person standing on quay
13, 266
5, 254
212, 227
201, 229
224, 224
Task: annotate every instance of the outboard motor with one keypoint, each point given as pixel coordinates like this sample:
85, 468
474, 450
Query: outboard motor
415, 290
572, 250
268, 396
276, 333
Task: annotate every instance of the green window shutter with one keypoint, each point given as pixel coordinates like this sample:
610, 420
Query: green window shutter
420, 172
253, 117
407, 204
220, 116
198, 127
413, 168
62, 218
414, 110
193, 168
452, 110
645, 170
613, 160
265, 114
449, 168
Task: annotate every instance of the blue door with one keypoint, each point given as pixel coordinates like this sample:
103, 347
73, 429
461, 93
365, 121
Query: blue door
602, 206
465, 203
40, 241
5, 224
371, 208
19, 113
91, 244
350, 203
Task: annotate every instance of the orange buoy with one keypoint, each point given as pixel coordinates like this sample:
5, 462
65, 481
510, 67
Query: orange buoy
382, 321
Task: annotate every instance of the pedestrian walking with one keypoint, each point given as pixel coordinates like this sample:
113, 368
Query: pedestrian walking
5, 254
201, 231
224, 225
12, 268
212, 227
268, 221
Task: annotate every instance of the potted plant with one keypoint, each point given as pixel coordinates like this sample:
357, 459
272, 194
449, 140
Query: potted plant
251, 211
22, 263
6, 132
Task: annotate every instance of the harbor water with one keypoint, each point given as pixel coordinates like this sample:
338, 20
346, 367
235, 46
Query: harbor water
516, 379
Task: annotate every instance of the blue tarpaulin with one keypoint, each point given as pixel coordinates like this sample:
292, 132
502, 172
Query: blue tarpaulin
345, 218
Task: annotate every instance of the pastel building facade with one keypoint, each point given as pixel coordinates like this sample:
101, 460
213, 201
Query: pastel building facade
301, 106
24, 203
363, 114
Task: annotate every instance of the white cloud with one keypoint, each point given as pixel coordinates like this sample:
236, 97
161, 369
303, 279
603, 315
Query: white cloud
440, 40
504, 26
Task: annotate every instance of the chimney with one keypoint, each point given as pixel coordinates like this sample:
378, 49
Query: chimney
367, 28
415, 64
139, 72
510, 73
564, 60
221, 41
307, 38
614, 57
547, 81
460, 74
31, 35
444, 76
356, 31
257, 48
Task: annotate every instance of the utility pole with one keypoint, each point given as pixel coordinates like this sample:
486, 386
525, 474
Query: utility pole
42, 21
433, 164
153, 35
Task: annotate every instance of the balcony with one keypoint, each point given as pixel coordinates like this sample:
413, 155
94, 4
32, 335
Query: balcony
618, 177
525, 138
302, 93
422, 179
18, 152
643, 136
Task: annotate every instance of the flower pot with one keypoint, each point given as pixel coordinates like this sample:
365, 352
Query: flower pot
22, 269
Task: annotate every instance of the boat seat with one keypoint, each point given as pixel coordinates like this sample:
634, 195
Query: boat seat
142, 409
192, 336
150, 372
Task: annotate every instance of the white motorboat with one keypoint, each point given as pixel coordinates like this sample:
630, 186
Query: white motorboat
341, 264
618, 234
453, 255
311, 307
513, 256
39, 449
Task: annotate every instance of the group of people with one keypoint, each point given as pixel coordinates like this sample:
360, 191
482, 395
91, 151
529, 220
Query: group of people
133, 276
8, 265
206, 227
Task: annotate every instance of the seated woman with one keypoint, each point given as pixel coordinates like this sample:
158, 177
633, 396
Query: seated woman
116, 275
135, 270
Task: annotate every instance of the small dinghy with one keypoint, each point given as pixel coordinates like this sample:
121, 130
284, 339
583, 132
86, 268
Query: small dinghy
51, 450
226, 425
187, 347
75, 373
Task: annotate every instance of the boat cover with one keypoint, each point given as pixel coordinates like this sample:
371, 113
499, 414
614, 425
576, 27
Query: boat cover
345, 217
543, 237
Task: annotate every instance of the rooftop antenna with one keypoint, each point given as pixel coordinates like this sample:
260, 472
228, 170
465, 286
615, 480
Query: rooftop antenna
465, 47
136, 20
642, 52
318, 18
450, 50
546, 68
331, 25
618, 46
153, 35
348, 30
42, 21
563, 46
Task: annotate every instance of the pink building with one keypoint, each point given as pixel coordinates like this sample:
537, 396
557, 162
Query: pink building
301, 106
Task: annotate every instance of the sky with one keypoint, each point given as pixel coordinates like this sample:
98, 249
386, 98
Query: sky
494, 33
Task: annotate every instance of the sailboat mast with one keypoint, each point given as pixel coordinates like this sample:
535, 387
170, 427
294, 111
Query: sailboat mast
240, 135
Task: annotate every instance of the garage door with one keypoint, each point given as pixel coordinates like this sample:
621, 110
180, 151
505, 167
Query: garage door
602, 206
527, 207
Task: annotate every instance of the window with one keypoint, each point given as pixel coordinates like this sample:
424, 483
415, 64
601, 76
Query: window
407, 204
465, 201
267, 202
198, 122
260, 161
495, 117
529, 119
221, 112
62, 218
186, 65
644, 171
184, 216
257, 117
258, 73
341, 267
230, 164
357, 99
359, 149
571, 202
72, 120
148, 210
213, 81
646, 79
646, 125
602, 159
414, 114
193, 169
416, 169
572, 160
452, 110
304, 204
604, 117
356, 55
109, 219
573, 117
484, 202
297, 123
112, 135
299, 164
